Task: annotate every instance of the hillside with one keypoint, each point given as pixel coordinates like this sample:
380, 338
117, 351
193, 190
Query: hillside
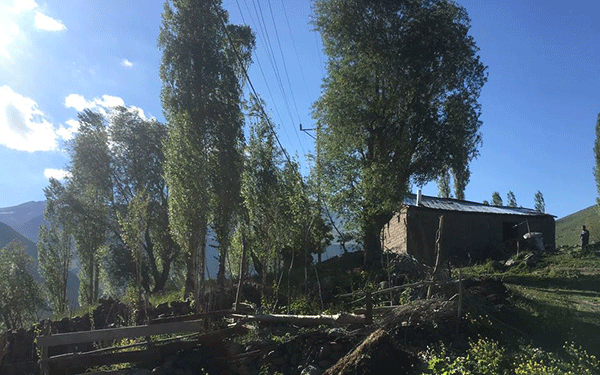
31, 229
568, 228
16, 216
8, 234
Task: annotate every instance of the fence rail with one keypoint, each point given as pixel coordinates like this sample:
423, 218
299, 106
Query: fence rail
112, 356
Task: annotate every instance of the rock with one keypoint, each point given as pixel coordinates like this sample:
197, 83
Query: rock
311, 370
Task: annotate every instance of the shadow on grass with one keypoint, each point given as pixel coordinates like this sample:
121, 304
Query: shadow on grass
551, 325
590, 283
563, 292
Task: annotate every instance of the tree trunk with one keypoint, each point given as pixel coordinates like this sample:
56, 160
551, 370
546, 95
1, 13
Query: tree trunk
223, 248
372, 240
190, 261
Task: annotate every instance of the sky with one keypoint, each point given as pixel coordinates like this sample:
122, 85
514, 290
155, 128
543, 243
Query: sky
539, 106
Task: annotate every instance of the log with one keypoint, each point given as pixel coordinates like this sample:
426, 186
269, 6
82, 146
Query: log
184, 318
387, 290
376, 310
305, 320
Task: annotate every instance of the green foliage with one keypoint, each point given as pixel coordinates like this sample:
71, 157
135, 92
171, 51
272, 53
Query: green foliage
540, 204
486, 356
496, 199
20, 296
283, 220
574, 361
303, 305
88, 193
444, 185
133, 227
106, 178
56, 247
482, 358
511, 200
202, 64
399, 103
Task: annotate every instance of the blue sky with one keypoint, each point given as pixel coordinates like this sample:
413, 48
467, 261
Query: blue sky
539, 104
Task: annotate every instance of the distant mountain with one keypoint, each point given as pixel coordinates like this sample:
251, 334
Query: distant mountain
568, 228
24, 218
8, 234
31, 229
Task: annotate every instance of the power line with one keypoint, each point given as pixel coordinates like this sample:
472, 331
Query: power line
270, 57
294, 45
270, 51
267, 119
247, 76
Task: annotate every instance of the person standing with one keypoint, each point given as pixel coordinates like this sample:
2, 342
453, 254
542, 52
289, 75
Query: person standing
584, 237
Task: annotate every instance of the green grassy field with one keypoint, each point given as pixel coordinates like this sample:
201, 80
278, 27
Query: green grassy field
568, 228
555, 301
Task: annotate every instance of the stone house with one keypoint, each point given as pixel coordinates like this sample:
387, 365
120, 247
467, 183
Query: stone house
471, 231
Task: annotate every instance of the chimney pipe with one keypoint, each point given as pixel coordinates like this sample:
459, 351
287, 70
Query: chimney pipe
419, 197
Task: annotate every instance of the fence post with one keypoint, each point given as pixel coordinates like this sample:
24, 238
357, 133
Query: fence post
438, 251
44, 367
44, 370
460, 299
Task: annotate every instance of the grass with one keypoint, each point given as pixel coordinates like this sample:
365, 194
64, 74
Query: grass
555, 301
568, 228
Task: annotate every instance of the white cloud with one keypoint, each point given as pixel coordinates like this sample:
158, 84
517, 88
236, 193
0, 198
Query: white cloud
59, 174
126, 63
20, 6
100, 104
47, 23
23, 125
140, 112
68, 132
8, 32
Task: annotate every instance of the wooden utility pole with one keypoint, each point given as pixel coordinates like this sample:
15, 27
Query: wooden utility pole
438, 252
241, 278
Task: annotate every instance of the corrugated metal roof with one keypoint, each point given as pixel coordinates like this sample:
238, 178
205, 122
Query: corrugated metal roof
449, 204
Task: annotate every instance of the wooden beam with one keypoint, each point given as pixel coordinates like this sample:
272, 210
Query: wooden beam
119, 333
183, 318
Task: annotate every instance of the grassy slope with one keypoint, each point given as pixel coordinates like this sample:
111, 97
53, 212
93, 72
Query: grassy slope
558, 300
568, 228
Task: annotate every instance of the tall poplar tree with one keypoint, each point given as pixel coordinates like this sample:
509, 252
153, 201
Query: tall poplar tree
399, 103
202, 65
56, 247
540, 205
511, 200
496, 199
443, 183
89, 193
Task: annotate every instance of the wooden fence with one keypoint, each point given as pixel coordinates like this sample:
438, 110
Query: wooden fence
154, 350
